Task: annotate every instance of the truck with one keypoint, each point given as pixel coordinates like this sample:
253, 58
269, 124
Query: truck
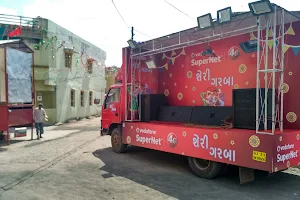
222, 93
16, 87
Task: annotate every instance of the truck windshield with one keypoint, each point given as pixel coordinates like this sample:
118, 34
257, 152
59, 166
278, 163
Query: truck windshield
112, 96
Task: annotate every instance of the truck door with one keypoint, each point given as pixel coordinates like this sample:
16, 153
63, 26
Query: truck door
111, 112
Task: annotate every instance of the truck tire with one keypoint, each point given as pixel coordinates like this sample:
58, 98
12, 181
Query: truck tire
116, 141
205, 168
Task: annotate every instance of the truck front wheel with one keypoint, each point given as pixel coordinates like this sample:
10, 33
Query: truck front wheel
205, 168
116, 141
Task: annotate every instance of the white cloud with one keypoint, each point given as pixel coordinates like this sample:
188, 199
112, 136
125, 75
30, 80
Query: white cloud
8, 11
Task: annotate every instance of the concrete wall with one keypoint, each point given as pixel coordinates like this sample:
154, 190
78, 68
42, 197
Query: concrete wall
76, 77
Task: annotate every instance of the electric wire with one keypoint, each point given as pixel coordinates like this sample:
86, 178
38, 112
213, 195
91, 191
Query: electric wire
125, 21
179, 10
120, 14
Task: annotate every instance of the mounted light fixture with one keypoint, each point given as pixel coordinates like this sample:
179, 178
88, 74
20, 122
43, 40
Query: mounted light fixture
208, 51
204, 21
132, 43
224, 15
261, 7
151, 64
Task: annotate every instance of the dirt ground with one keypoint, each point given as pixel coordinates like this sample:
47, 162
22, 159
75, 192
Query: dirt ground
73, 162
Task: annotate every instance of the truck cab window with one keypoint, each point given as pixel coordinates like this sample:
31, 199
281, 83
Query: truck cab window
112, 96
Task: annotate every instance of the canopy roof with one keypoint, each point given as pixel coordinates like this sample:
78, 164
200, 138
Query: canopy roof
16, 44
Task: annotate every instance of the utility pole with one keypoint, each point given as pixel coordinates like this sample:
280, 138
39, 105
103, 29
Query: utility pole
132, 33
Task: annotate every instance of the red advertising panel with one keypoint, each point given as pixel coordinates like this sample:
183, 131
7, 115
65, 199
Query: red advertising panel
233, 146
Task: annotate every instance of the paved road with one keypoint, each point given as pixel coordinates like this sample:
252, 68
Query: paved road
73, 162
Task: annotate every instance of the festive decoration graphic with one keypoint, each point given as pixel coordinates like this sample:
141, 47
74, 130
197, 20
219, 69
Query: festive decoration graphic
285, 88
184, 133
232, 142
242, 68
128, 139
290, 73
254, 141
236, 86
291, 117
215, 136
179, 96
288, 164
166, 66
213, 97
173, 57
286, 47
189, 74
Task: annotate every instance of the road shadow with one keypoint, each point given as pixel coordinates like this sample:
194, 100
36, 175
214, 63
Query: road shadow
170, 174
2, 149
12, 141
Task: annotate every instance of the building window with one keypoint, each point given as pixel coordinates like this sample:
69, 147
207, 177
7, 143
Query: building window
90, 68
68, 58
72, 98
91, 98
82, 98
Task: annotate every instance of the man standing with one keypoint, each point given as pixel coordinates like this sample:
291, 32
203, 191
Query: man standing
39, 116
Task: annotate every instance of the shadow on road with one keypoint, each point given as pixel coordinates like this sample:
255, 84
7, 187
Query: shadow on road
12, 141
170, 174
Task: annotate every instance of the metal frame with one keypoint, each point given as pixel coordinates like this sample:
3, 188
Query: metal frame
17, 43
273, 71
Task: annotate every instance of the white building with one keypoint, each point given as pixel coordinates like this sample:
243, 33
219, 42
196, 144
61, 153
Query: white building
69, 71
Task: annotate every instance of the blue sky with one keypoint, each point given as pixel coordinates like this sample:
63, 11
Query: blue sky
98, 22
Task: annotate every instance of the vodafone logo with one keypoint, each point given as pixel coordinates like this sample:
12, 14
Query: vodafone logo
146, 131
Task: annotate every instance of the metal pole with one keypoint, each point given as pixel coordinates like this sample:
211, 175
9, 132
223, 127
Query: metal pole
273, 72
34, 95
195, 42
132, 75
125, 83
282, 70
266, 75
132, 82
257, 73
6, 98
132, 33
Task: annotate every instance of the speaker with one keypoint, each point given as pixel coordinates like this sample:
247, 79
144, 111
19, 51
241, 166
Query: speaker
150, 104
244, 108
210, 115
175, 114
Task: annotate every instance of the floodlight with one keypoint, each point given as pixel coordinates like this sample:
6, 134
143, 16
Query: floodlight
204, 21
132, 43
261, 7
151, 64
224, 15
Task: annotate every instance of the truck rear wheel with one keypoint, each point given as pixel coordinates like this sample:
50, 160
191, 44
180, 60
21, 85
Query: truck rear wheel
116, 141
205, 168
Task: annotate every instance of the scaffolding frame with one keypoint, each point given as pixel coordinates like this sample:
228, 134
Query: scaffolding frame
277, 114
